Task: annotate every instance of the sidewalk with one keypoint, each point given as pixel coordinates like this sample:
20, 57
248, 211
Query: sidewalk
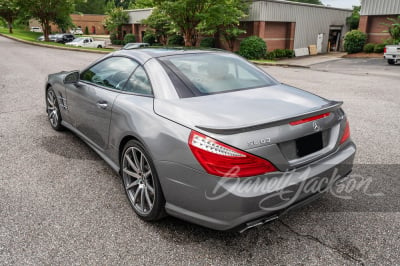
307, 61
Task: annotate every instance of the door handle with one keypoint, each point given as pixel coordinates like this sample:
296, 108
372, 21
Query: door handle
102, 105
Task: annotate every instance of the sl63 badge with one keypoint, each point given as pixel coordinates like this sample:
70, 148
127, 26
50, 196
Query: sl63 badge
259, 142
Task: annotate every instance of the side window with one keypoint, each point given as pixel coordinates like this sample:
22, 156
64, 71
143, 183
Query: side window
112, 72
139, 82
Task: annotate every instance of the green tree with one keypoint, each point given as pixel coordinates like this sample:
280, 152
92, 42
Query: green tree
161, 24
354, 19
231, 35
46, 12
90, 6
315, 2
116, 17
393, 29
124, 4
224, 20
141, 4
192, 17
9, 10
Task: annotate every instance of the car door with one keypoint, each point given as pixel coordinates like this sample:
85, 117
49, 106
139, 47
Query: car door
91, 100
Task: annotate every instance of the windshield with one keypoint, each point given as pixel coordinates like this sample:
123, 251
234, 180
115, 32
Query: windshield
211, 73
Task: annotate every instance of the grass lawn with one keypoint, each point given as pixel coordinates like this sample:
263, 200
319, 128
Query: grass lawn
32, 37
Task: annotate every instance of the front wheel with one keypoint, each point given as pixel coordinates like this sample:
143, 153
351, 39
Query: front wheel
391, 61
141, 182
53, 110
99, 46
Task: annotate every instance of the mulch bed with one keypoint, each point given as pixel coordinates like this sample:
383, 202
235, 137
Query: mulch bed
363, 55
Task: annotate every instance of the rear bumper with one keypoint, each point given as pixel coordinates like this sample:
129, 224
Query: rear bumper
239, 203
391, 56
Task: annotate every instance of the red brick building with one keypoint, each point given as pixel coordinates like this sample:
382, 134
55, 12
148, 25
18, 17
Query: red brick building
94, 23
373, 14
281, 24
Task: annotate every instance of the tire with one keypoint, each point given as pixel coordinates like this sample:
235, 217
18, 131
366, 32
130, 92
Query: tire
99, 46
391, 61
141, 183
53, 110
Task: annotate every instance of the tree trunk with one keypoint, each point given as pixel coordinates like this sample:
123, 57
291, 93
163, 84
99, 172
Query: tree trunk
46, 30
10, 27
187, 36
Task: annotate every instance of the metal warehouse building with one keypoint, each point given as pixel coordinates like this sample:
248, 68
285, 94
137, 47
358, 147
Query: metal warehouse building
282, 24
373, 14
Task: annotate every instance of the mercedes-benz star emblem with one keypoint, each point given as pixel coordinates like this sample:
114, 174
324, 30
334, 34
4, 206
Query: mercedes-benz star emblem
316, 126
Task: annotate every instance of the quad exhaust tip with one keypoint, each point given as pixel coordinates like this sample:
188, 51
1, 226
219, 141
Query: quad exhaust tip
258, 222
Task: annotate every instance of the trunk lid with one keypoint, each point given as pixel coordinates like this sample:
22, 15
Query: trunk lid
240, 111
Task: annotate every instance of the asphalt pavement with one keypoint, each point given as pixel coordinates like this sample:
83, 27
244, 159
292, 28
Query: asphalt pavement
60, 204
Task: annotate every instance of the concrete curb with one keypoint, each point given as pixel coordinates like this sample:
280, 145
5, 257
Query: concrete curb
279, 65
55, 47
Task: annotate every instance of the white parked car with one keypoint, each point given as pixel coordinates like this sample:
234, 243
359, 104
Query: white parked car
87, 42
36, 29
392, 54
76, 31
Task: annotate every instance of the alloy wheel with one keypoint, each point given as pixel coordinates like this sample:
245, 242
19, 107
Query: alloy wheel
138, 180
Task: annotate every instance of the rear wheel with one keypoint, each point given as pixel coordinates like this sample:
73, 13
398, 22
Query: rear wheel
53, 110
141, 182
391, 61
99, 46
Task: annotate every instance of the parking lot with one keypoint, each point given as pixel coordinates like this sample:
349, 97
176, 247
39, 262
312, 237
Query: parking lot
61, 204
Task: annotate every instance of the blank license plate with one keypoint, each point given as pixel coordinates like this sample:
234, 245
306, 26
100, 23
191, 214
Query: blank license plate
309, 144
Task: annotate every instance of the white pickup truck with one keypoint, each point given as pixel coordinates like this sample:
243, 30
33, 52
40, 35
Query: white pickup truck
392, 54
87, 42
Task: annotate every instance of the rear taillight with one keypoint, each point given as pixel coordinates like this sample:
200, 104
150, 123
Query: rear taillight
384, 50
222, 160
346, 133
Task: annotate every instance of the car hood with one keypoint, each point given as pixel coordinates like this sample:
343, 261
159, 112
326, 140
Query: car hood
241, 110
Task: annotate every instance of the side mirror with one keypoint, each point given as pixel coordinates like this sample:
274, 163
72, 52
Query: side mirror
71, 77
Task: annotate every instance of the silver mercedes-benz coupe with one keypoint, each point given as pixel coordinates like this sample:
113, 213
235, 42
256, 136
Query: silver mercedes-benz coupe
203, 135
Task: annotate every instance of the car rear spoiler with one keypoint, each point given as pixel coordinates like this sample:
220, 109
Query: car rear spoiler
330, 107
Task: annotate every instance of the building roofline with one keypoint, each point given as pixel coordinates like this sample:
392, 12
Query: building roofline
139, 9
87, 14
304, 4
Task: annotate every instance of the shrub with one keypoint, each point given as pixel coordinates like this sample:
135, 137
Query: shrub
354, 41
129, 38
208, 42
116, 42
290, 53
369, 48
86, 30
379, 48
253, 47
176, 40
113, 36
270, 56
149, 37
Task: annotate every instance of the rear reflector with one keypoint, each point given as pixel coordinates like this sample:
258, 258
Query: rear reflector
309, 119
222, 160
346, 133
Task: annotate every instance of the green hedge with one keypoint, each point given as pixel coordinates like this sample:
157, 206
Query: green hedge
208, 42
149, 37
253, 47
129, 38
280, 53
354, 41
379, 48
176, 40
369, 48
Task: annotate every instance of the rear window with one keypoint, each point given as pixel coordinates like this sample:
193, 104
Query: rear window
210, 73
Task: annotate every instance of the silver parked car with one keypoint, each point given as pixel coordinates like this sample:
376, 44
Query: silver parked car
202, 135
